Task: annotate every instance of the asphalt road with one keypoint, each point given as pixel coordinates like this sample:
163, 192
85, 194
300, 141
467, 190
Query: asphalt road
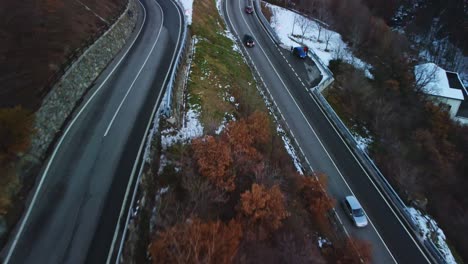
73, 213
288, 78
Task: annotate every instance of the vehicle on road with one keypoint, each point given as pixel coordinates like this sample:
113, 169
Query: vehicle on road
249, 9
354, 209
249, 41
299, 52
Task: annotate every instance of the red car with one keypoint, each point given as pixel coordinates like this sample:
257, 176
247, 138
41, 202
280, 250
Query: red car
249, 9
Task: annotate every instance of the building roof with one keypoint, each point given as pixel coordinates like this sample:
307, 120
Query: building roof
439, 82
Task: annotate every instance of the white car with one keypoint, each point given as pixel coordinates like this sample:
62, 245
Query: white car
354, 209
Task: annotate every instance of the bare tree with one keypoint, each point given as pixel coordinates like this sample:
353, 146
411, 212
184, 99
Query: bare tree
327, 35
304, 24
424, 76
339, 52
323, 15
295, 21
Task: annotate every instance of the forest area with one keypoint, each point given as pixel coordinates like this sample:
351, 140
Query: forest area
416, 145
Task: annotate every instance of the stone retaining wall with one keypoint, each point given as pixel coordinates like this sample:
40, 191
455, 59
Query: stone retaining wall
67, 92
62, 100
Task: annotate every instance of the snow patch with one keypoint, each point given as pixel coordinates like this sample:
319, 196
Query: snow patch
430, 230
435, 80
192, 128
363, 142
228, 117
322, 241
290, 149
188, 9
230, 36
282, 22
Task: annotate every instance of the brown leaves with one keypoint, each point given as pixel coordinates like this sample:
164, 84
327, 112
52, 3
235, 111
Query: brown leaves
240, 138
263, 208
16, 126
312, 190
259, 126
197, 242
355, 251
219, 159
214, 160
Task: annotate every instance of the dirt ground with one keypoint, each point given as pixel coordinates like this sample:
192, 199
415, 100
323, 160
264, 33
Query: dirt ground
39, 37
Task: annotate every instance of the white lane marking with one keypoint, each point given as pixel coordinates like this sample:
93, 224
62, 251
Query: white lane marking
417, 245
318, 139
373, 184
44, 175
274, 102
136, 162
134, 80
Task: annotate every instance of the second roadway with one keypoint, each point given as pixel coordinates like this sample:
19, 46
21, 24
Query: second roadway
288, 81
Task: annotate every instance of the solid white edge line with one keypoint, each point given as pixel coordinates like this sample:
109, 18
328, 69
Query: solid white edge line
417, 245
321, 144
136, 162
287, 125
44, 175
134, 80
372, 182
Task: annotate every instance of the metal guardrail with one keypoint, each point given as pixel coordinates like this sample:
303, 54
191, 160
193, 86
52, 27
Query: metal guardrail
366, 162
373, 170
167, 99
164, 108
265, 22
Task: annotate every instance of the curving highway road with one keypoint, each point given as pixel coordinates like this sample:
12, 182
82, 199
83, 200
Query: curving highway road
287, 80
73, 213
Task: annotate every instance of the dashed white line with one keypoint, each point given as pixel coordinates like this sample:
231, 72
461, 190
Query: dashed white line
127, 192
134, 80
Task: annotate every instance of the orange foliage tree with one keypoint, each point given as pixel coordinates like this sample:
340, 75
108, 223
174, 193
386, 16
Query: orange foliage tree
214, 160
355, 251
312, 191
259, 127
244, 137
263, 208
240, 138
16, 126
197, 242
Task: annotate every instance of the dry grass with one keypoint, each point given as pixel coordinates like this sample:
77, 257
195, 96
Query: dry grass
219, 72
9, 185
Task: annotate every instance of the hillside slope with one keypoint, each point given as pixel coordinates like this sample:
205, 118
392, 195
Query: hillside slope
39, 36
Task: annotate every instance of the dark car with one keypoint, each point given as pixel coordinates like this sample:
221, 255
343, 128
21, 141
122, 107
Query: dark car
249, 9
299, 52
249, 41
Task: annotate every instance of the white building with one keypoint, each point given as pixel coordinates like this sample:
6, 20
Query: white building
445, 88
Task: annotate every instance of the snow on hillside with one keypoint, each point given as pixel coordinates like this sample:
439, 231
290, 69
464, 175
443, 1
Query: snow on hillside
282, 22
188, 8
430, 230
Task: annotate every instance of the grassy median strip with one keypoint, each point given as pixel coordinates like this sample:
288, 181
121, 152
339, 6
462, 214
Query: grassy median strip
220, 78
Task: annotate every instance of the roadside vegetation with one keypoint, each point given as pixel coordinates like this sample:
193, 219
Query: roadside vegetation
416, 145
231, 193
16, 127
